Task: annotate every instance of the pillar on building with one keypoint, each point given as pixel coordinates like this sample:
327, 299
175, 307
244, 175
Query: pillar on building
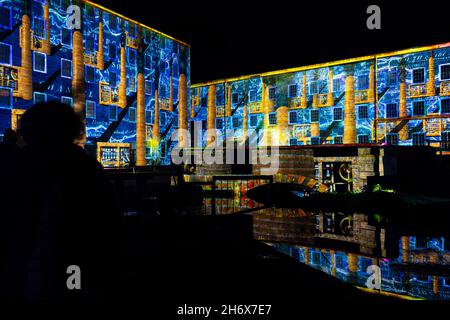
140, 121
349, 111
283, 125
155, 129
211, 120
25, 71
306, 255
100, 52
267, 106
78, 93
436, 285
303, 101
123, 78
315, 126
244, 123
405, 249
171, 89
403, 112
228, 105
371, 90
46, 48
330, 98
333, 263
352, 262
182, 111
431, 88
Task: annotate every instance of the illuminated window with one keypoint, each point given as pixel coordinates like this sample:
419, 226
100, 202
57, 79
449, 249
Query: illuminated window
337, 85
314, 115
39, 62
89, 43
445, 72
419, 108
235, 98
112, 79
5, 17
337, 114
112, 51
113, 113
391, 110
338, 140
363, 82
293, 117
132, 114
391, 78
66, 37
363, 139
66, 68
5, 53
90, 74
272, 119
253, 120
392, 138
315, 140
40, 97
293, 141
90, 109
252, 96
445, 105
418, 138
219, 123
363, 112
236, 122
292, 91
67, 100
418, 75
5, 98
272, 93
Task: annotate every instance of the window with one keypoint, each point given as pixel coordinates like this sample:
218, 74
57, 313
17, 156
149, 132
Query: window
90, 109
132, 83
89, 43
90, 74
337, 114
315, 140
363, 112
272, 93
236, 122
419, 108
418, 138
391, 78
220, 99
38, 27
337, 85
148, 117
148, 61
131, 56
148, 87
272, 119
313, 87
5, 53
445, 106
112, 113
292, 91
363, 139
392, 138
445, 140
253, 120
66, 68
293, 117
293, 141
39, 62
112, 22
132, 114
445, 72
314, 115
162, 119
66, 37
391, 110
112, 51
112, 79
5, 17
363, 82
418, 75
338, 140
39, 97
219, 123
252, 96
5, 98
235, 97
67, 100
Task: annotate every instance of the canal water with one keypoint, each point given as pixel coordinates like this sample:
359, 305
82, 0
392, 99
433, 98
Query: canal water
364, 250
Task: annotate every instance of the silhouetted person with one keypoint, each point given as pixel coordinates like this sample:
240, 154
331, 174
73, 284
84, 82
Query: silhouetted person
65, 213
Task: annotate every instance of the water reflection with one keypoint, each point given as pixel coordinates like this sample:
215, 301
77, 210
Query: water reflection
411, 262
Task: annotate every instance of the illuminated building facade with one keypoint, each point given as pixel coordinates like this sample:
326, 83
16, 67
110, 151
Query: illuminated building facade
399, 98
128, 82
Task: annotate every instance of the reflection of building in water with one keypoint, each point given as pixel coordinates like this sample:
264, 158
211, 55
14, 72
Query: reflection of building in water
431, 281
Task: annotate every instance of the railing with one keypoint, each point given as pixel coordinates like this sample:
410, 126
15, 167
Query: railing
108, 96
362, 96
220, 111
295, 103
113, 155
255, 107
164, 104
131, 42
417, 90
195, 101
322, 100
90, 59
9, 77
444, 88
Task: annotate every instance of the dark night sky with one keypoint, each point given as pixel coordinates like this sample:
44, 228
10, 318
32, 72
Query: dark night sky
232, 38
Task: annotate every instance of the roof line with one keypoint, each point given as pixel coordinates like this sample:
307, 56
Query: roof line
135, 22
321, 65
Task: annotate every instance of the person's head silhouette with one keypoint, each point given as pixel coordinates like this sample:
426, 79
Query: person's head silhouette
50, 124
